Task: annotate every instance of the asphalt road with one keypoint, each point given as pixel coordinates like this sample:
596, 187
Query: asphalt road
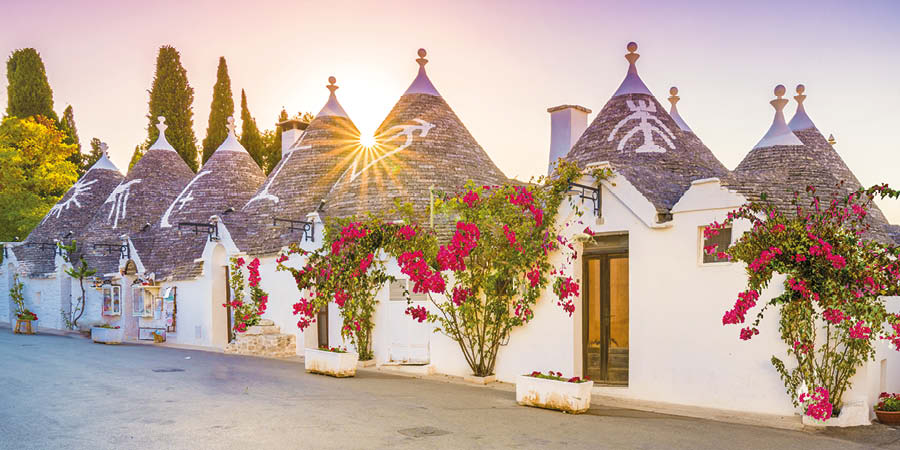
68, 393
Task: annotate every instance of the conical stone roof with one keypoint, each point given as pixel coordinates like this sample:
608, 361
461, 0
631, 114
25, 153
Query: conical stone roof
220, 188
792, 156
67, 219
298, 184
420, 144
140, 199
636, 135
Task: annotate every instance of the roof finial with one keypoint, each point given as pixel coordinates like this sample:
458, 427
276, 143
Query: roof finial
673, 96
800, 97
779, 103
103, 149
831, 139
422, 61
632, 83
161, 125
230, 125
331, 86
779, 133
673, 111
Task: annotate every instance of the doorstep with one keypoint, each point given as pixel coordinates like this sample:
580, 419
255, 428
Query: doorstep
784, 422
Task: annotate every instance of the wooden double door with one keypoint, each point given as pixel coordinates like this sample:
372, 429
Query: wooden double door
606, 307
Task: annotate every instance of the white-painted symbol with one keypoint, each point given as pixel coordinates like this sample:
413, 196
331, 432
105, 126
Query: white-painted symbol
647, 126
80, 187
264, 193
353, 172
181, 200
119, 198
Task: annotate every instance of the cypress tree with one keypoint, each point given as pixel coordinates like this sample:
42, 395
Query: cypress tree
220, 110
91, 158
67, 125
172, 97
273, 146
28, 92
139, 151
250, 137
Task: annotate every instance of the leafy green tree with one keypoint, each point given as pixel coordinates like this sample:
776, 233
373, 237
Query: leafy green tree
251, 139
28, 92
172, 97
139, 151
220, 110
272, 140
67, 125
91, 158
36, 172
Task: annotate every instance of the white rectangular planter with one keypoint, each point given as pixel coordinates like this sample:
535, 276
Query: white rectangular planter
573, 398
107, 335
331, 363
853, 414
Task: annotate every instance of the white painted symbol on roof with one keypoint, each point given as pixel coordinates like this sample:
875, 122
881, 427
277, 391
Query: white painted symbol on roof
80, 187
647, 126
182, 199
119, 198
264, 193
406, 131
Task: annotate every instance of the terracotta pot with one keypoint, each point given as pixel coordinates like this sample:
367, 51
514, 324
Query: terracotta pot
888, 417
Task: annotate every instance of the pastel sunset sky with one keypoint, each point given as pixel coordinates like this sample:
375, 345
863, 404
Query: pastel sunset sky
499, 65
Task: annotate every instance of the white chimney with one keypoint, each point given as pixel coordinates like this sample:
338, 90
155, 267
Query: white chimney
567, 123
291, 130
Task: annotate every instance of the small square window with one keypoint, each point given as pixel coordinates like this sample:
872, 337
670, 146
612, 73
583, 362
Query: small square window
722, 241
112, 303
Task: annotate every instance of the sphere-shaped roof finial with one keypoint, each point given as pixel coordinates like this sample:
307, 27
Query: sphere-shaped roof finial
422, 61
161, 124
673, 90
780, 90
331, 86
632, 47
230, 125
801, 89
422, 53
332, 80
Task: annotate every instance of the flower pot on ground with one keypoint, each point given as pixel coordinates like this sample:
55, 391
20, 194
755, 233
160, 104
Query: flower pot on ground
107, 335
888, 408
331, 361
24, 322
571, 395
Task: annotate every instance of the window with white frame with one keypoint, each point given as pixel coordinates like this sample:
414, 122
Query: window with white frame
142, 303
112, 300
716, 244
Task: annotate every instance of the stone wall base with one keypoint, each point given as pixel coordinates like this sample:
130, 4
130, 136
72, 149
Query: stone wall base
264, 339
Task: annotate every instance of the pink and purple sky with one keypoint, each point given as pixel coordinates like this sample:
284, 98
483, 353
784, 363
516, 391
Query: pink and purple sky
498, 64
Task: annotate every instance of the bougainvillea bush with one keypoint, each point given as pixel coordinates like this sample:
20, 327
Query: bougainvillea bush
344, 270
832, 310
486, 280
246, 313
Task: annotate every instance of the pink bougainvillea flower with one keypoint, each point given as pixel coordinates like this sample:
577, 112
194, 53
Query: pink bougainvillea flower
471, 199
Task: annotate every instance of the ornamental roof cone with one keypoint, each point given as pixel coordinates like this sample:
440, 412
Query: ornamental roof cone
422, 85
779, 133
104, 162
231, 143
161, 142
801, 120
673, 110
332, 107
632, 84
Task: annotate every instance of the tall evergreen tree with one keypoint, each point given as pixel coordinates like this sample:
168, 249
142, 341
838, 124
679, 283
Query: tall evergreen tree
273, 144
28, 92
139, 151
250, 137
95, 154
172, 97
67, 125
220, 110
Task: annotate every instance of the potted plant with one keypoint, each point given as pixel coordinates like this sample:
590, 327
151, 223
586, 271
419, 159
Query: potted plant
107, 334
553, 391
333, 361
888, 408
23, 321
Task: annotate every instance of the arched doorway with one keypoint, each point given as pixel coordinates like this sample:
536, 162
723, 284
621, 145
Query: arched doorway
218, 329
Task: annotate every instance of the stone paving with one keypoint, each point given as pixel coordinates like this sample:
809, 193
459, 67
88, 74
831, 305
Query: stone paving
66, 392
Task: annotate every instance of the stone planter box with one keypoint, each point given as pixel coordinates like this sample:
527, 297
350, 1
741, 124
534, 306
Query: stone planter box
853, 414
574, 398
107, 335
888, 417
330, 363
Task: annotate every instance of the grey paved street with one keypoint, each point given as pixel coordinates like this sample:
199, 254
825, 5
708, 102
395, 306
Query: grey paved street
65, 392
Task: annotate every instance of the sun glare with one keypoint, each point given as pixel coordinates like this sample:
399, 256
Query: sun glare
367, 140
